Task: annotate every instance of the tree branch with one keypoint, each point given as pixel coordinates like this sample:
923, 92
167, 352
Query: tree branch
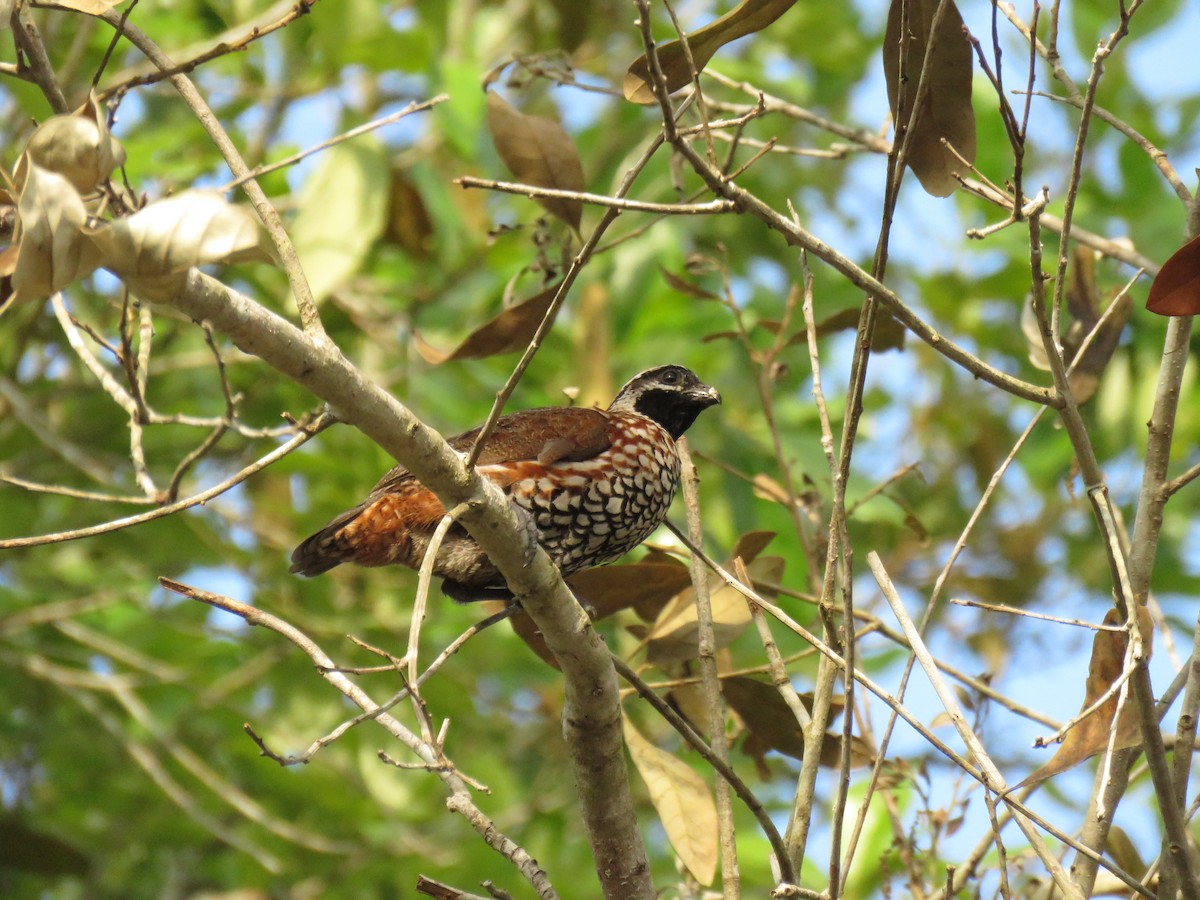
591, 715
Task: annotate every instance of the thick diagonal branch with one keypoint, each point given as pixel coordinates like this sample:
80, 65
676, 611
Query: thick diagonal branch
591, 716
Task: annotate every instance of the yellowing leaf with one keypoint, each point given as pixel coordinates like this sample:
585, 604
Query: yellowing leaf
683, 803
507, 332
77, 146
746, 18
537, 151
53, 249
342, 211
946, 111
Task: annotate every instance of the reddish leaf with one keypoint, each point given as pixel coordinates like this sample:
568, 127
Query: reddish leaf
1176, 290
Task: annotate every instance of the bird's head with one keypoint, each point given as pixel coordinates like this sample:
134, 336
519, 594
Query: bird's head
670, 395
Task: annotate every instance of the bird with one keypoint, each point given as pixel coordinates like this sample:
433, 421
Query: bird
592, 484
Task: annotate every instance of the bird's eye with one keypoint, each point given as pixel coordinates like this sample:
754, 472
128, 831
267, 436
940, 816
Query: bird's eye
670, 376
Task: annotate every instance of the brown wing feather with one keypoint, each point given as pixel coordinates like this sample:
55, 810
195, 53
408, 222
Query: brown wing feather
399, 504
549, 434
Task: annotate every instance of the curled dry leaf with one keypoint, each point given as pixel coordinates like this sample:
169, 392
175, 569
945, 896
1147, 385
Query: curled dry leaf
1083, 302
683, 802
507, 332
156, 246
1090, 736
537, 151
946, 111
53, 249
77, 146
746, 18
1176, 289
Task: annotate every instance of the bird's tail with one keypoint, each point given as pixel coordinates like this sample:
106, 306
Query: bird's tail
322, 551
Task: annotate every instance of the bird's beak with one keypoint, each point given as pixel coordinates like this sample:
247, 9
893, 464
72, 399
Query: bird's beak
709, 396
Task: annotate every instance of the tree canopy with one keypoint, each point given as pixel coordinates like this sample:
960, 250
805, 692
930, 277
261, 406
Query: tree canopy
258, 253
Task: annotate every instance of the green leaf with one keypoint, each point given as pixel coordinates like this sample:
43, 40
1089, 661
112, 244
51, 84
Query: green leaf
343, 207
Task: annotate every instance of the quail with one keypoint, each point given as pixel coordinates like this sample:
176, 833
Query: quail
593, 483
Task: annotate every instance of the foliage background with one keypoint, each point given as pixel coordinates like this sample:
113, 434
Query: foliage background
122, 765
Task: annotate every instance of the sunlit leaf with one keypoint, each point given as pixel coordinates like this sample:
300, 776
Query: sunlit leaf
1176, 290
172, 235
537, 151
91, 7
675, 632
683, 802
54, 251
946, 112
746, 18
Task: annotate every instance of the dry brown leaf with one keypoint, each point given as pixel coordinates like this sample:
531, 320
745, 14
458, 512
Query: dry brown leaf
683, 802
689, 702
644, 586
53, 250
8, 260
1124, 852
746, 18
889, 333
1090, 736
750, 544
77, 146
1083, 302
537, 151
674, 635
507, 332
1175, 291
947, 111
688, 288
771, 725
408, 223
